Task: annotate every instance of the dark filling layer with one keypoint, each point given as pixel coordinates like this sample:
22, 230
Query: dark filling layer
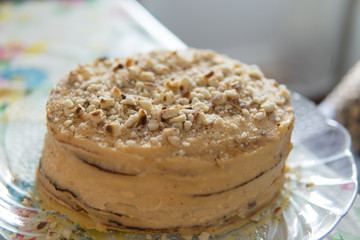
58, 188
86, 161
241, 184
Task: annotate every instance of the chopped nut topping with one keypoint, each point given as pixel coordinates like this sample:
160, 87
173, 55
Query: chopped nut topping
158, 95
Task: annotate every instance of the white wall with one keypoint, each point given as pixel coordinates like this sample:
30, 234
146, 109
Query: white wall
352, 46
297, 42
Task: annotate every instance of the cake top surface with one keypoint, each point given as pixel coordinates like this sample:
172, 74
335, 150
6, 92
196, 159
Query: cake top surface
170, 98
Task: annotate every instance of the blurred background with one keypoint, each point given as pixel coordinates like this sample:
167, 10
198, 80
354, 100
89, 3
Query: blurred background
308, 45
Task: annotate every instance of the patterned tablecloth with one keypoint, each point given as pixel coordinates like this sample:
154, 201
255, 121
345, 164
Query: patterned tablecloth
40, 41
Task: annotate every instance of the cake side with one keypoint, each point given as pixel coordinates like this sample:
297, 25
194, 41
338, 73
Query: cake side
158, 203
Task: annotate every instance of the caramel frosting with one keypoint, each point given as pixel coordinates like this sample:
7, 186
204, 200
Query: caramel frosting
174, 141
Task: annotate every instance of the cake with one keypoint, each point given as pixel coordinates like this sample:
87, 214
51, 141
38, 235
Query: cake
168, 141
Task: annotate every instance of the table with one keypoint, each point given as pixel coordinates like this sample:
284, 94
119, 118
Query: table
40, 41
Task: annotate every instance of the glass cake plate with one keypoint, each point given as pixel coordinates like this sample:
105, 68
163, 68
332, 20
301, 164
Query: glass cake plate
321, 186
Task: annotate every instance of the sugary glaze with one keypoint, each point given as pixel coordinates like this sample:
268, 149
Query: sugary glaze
185, 141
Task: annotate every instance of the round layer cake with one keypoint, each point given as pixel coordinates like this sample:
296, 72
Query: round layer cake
168, 141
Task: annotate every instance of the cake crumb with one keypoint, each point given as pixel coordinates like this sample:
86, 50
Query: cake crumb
52, 235
187, 237
311, 184
255, 218
164, 237
67, 233
204, 236
27, 202
277, 211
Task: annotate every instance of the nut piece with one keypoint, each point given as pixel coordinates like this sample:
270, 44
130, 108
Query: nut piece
187, 125
268, 106
116, 93
68, 123
68, 103
145, 104
79, 110
131, 120
170, 132
96, 116
178, 119
170, 112
210, 74
284, 92
106, 102
239, 104
161, 68
185, 82
218, 100
85, 72
134, 71
156, 113
174, 140
260, 115
113, 128
147, 76
94, 87
209, 119
153, 125
255, 75
169, 97
141, 118
129, 100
